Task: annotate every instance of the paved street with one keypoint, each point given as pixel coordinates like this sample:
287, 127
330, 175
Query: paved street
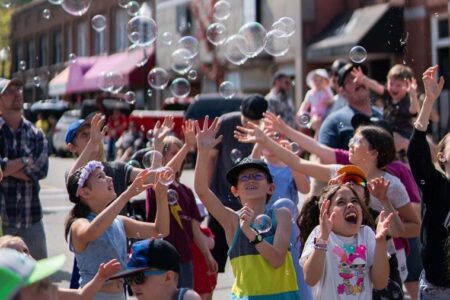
56, 206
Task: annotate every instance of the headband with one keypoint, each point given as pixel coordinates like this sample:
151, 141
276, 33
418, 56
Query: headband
86, 171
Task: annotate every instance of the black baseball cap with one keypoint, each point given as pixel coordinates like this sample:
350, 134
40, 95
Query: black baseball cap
248, 163
347, 68
254, 106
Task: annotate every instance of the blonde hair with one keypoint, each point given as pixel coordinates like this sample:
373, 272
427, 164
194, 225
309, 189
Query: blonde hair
400, 72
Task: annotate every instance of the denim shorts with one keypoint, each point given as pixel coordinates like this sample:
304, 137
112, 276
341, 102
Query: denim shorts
430, 291
414, 260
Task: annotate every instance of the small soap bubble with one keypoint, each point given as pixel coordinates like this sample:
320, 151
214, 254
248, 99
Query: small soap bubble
22, 65
6, 3
98, 23
166, 38
166, 175
158, 78
130, 97
152, 159
358, 54
340, 125
172, 197
133, 8
222, 10
227, 89
295, 148
150, 134
72, 58
236, 155
422, 182
46, 14
149, 92
262, 223
37, 81
304, 119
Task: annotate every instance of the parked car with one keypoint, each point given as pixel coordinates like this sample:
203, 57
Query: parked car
59, 135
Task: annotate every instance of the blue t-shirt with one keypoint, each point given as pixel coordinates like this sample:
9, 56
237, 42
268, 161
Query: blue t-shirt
336, 130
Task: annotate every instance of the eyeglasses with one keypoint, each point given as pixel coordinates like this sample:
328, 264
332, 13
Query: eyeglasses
255, 176
351, 178
139, 277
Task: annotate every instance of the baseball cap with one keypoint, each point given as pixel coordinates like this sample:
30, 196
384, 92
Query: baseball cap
73, 129
254, 106
4, 83
18, 270
361, 119
352, 170
319, 72
347, 68
151, 253
248, 163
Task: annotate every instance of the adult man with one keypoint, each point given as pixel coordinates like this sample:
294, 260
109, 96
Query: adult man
24, 161
337, 129
153, 270
252, 110
279, 102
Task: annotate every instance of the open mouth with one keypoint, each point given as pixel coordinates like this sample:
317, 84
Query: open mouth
351, 217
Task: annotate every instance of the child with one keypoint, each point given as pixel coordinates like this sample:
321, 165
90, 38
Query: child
93, 228
262, 263
318, 99
400, 98
343, 258
435, 187
153, 271
39, 286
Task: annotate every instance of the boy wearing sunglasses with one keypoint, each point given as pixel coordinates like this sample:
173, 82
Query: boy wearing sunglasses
153, 270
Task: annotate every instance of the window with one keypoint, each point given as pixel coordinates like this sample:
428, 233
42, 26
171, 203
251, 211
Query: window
30, 54
56, 47
18, 56
183, 18
82, 37
99, 42
120, 30
68, 41
43, 51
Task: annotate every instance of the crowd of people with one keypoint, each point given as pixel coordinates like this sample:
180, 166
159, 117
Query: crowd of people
346, 199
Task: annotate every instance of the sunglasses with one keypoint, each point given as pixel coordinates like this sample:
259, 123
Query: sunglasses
354, 179
139, 277
256, 176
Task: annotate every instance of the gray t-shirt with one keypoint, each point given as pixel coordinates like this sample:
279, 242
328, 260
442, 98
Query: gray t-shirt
219, 183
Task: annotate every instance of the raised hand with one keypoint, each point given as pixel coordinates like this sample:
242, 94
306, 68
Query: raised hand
412, 86
189, 133
97, 133
383, 226
378, 187
250, 134
433, 88
326, 220
144, 180
274, 123
246, 216
358, 75
206, 136
108, 269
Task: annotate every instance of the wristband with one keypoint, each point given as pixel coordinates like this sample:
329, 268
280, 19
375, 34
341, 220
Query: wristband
318, 241
320, 247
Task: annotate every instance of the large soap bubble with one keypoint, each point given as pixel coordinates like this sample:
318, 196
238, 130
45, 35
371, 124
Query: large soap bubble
189, 43
277, 43
111, 82
216, 33
76, 7
255, 36
358, 54
262, 223
180, 87
181, 61
285, 24
235, 49
227, 89
222, 10
158, 78
142, 30
98, 23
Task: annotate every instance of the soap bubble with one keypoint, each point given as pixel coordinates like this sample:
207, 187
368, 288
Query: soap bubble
340, 125
166, 175
358, 54
235, 49
236, 155
123, 3
295, 148
22, 65
72, 58
111, 82
286, 25
130, 97
37, 81
158, 78
189, 43
149, 92
145, 54
152, 160
216, 33
142, 30
304, 119
289, 204
166, 38
180, 87
133, 8
150, 134
262, 223
227, 89
277, 43
181, 61
222, 10
6, 3
192, 74
98, 23
76, 7
56, 2
172, 197
255, 36
46, 14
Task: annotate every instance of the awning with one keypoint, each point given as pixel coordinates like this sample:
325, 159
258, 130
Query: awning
85, 73
378, 28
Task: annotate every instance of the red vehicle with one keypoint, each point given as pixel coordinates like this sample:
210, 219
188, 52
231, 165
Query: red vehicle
146, 119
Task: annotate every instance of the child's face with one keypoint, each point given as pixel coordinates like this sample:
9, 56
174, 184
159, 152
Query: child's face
320, 83
252, 184
171, 151
359, 150
397, 88
81, 139
347, 207
101, 185
154, 287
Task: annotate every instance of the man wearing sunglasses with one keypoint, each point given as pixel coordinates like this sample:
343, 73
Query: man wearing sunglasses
152, 272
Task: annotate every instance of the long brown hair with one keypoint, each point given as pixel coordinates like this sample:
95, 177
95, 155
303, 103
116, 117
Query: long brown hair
309, 216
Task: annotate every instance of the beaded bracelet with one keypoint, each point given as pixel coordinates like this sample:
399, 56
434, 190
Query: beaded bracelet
320, 247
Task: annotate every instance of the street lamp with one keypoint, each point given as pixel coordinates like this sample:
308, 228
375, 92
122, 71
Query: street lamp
3, 58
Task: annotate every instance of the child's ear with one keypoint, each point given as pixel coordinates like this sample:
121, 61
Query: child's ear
170, 277
234, 191
84, 192
271, 188
441, 157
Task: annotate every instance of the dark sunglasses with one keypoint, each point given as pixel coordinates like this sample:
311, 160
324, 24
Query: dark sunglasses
139, 277
256, 176
354, 179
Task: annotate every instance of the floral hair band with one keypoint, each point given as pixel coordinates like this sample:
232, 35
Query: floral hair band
86, 171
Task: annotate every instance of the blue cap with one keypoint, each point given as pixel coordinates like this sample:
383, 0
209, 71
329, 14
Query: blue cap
151, 253
73, 129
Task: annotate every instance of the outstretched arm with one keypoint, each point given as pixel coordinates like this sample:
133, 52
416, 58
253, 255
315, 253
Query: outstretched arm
367, 81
